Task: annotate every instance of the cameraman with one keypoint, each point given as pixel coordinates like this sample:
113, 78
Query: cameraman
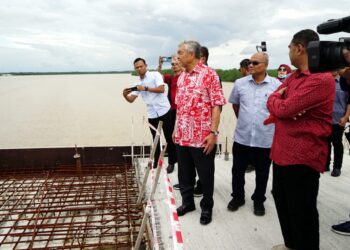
299, 148
344, 228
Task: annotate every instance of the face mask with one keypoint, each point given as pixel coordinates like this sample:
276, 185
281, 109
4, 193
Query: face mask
282, 74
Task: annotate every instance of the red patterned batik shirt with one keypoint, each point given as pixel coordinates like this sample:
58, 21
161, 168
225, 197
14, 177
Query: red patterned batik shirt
198, 92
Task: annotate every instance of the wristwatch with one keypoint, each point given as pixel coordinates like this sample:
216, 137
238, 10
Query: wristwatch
146, 88
216, 133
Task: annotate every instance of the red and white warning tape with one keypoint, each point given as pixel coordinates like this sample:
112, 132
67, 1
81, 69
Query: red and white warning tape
174, 219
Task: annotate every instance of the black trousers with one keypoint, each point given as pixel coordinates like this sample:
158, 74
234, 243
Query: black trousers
190, 159
295, 190
336, 138
168, 127
260, 158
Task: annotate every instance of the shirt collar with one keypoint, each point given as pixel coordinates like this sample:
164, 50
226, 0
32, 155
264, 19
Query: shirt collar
300, 73
198, 68
147, 73
267, 79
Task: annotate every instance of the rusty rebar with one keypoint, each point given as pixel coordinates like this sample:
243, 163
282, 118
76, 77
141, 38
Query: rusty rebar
89, 208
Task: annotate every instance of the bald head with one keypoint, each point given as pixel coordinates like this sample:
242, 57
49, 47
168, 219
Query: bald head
258, 65
261, 57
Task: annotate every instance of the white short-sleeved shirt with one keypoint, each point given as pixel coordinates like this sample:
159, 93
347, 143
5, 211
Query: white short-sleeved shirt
157, 103
251, 98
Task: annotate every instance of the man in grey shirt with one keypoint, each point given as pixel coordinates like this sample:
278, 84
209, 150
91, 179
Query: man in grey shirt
252, 138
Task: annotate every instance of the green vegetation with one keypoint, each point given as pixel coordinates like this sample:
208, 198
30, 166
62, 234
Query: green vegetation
226, 75
231, 75
65, 73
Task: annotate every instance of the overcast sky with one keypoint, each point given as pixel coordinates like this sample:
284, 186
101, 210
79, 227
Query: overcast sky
104, 35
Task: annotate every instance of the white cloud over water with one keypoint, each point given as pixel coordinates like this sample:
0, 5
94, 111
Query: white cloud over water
101, 35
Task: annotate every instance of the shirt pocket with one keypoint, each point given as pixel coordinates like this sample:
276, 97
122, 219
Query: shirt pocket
261, 96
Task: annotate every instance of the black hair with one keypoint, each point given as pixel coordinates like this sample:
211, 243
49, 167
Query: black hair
244, 63
205, 52
139, 59
303, 37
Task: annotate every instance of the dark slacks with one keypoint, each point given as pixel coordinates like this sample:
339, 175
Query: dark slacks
190, 159
336, 138
168, 127
260, 158
295, 190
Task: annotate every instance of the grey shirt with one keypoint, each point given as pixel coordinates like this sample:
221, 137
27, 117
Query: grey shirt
251, 98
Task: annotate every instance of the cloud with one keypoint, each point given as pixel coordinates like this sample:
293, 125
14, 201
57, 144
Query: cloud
43, 35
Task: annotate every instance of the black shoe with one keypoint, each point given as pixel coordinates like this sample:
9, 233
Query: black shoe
184, 209
259, 208
249, 168
336, 172
176, 186
170, 168
197, 192
342, 228
205, 217
235, 203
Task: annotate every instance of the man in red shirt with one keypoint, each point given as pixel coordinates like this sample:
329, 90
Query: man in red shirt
303, 106
171, 81
199, 99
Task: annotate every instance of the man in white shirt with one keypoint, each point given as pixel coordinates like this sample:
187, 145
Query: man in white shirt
151, 88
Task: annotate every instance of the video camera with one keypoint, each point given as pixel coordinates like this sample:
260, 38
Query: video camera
328, 55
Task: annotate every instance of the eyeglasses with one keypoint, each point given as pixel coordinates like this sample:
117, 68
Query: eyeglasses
282, 69
254, 63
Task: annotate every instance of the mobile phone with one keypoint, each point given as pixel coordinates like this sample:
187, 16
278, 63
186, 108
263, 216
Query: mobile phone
166, 58
133, 89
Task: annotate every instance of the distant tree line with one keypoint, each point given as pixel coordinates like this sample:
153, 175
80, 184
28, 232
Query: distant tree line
66, 73
226, 75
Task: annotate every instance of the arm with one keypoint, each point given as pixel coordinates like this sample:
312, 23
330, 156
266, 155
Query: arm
345, 118
159, 89
235, 98
211, 139
308, 95
129, 98
235, 109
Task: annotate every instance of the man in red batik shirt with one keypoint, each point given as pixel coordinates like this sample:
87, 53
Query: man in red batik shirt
303, 106
199, 99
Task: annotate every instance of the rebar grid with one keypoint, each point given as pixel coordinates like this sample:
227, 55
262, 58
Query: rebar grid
91, 208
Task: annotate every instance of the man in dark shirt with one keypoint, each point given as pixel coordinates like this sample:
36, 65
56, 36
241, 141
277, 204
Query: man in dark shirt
341, 113
299, 149
344, 227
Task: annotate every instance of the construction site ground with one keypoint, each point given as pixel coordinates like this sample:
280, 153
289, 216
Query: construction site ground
242, 229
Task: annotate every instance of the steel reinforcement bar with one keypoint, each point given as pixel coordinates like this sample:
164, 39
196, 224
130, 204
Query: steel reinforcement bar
91, 208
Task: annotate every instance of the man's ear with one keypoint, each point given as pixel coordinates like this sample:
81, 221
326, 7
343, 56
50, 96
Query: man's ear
301, 49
